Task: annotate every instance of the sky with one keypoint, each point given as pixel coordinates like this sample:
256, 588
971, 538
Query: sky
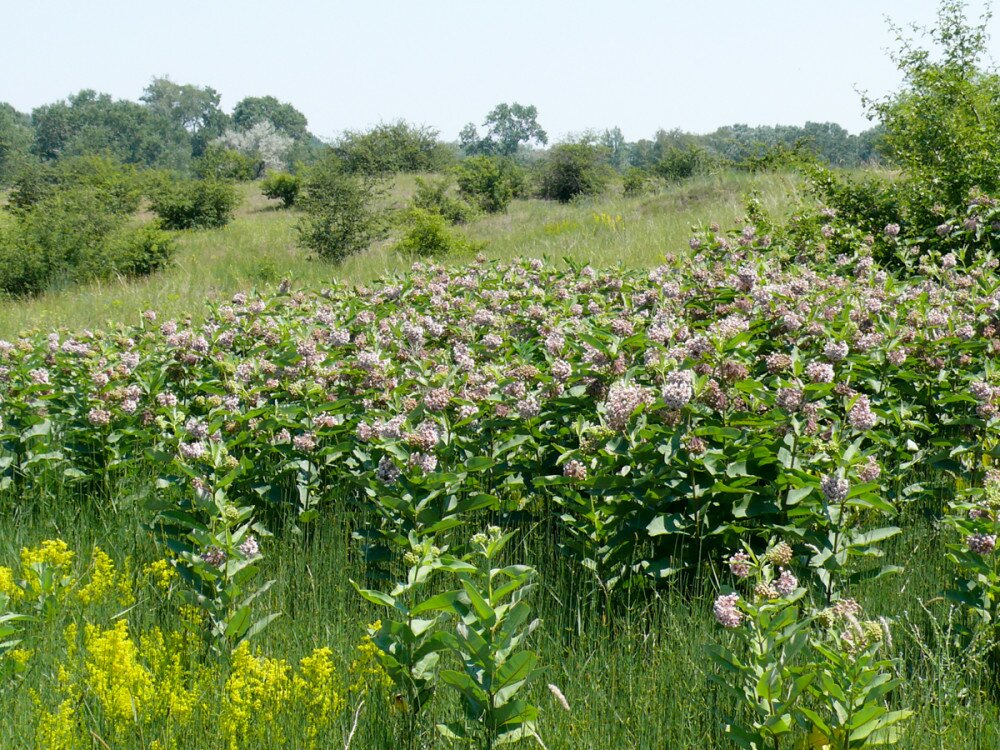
640, 65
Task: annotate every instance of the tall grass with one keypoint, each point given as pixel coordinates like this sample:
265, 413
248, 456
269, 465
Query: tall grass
634, 677
259, 248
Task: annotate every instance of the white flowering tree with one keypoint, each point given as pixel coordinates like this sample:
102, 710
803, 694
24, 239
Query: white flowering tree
261, 141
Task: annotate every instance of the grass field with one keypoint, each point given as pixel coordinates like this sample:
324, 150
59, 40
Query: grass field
259, 248
635, 675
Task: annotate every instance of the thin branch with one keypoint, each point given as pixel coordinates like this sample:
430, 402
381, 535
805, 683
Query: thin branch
354, 725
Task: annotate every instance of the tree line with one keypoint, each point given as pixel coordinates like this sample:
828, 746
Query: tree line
182, 128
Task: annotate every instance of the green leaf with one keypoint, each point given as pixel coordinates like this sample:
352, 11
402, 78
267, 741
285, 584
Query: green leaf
438, 602
483, 610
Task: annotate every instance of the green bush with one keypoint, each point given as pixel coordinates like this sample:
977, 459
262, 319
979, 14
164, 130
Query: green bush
427, 234
194, 204
680, 163
118, 186
635, 181
489, 183
573, 169
131, 251
943, 126
342, 211
221, 163
394, 147
282, 186
433, 196
74, 236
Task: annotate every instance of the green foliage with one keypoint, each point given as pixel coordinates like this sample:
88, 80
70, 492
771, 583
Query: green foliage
342, 212
92, 123
683, 162
943, 127
508, 126
488, 183
221, 163
410, 648
433, 195
194, 204
495, 622
119, 186
282, 186
802, 666
427, 234
75, 235
393, 147
15, 142
217, 550
283, 116
635, 181
571, 170
193, 108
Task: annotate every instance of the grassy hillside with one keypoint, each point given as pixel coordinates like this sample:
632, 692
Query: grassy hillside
259, 248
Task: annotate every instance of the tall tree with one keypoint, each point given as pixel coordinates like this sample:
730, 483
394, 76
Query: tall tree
507, 127
193, 108
92, 123
256, 109
15, 141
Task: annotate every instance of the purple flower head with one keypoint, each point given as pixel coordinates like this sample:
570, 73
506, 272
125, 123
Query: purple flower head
786, 583
726, 611
739, 564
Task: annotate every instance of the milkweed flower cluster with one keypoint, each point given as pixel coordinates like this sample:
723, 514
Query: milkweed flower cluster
727, 613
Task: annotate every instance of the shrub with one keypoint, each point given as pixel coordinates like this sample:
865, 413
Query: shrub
426, 233
195, 204
131, 251
282, 186
635, 181
489, 183
680, 163
74, 236
943, 126
573, 169
221, 163
342, 215
117, 186
394, 147
432, 195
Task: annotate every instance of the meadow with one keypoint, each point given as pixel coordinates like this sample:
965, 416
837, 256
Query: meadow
260, 248
737, 489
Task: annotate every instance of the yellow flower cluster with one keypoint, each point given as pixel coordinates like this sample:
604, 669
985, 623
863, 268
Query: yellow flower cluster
161, 573
8, 586
177, 684
315, 691
54, 552
614, 223
105, 582
367, 672
257, 688
123, 686
59, 729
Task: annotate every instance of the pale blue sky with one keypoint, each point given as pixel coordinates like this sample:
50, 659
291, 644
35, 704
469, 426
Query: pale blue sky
638, 64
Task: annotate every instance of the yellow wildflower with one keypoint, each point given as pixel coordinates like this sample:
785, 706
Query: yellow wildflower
162, 574
20, 657
176, 695
102, 580
8, 586
366, 670
316, 693
120, 683
54, 552
257, 688
58, 730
